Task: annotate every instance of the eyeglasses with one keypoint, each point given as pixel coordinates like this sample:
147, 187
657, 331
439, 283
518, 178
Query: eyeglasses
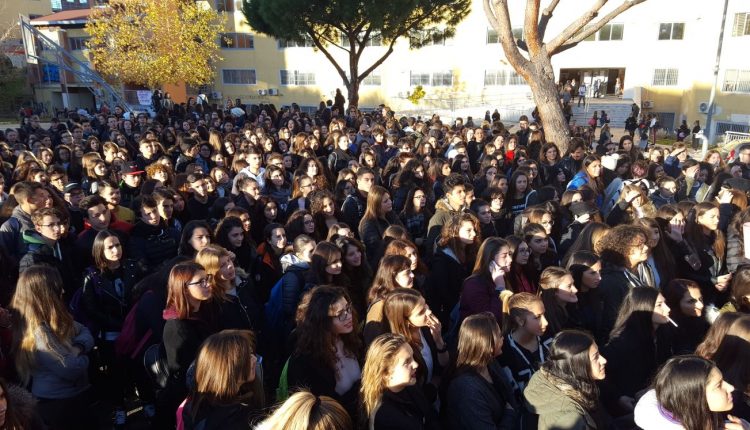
344, 314
53, 225
202, 283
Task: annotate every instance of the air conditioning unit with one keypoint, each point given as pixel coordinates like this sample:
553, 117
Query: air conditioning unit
648, 104
216, 95
262, 92
703, 107
273, 92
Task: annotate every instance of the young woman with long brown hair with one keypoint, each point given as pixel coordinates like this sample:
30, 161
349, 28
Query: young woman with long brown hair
390, 396
407, 314
378, 216
228, 390
394, 272
327, 355
52, 348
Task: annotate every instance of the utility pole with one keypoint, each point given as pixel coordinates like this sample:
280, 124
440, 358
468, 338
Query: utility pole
712, 99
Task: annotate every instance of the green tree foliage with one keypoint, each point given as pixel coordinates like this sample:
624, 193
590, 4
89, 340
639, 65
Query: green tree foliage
352, 25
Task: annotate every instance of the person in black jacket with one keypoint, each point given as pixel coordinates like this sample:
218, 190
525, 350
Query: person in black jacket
327, 354
621, 249
105, 298
231, 292
452, 263
378, 216
480, 395
353, 208
636, 349
685, 298
390, 397
228, 391
151, 244
184, 331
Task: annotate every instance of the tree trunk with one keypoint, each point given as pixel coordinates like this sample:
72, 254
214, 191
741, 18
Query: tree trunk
547, 99
353, 91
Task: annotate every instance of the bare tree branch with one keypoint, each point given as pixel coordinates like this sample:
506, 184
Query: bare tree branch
597, 26
546, 16
499, 17
575, 26
531, 27
327, 54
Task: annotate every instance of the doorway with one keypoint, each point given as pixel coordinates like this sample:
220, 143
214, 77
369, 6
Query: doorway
610, 80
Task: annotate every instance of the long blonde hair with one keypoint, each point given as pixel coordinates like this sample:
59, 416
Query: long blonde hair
42, 316
210, 258
305, 411
381, 357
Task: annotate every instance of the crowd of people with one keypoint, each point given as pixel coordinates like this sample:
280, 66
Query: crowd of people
242, 267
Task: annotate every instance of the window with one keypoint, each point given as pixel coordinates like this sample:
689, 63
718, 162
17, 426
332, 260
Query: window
671, 31
611, 32
238, 76
372, 79
428, 38
665, 77
295, 77
237, 41
492, 36
495, 77
77, 43
442, 79
56, 4
419, 78
376, 39
225, 5
518, 34
741, 25
435, 79
737, 81
305, 43
502, 78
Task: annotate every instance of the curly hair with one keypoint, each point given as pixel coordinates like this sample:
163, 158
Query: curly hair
615, 246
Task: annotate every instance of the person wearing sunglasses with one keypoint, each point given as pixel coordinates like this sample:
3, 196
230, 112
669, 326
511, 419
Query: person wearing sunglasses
327, 356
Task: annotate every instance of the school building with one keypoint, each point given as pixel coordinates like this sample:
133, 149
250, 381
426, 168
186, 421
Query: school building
660, 54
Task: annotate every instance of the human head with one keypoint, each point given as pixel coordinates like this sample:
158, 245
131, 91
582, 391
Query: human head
326, 261
48, 223
305, 411
693, 391
219, 265
389, 365
454, 187
624, 246
684, 297
96, 212
106, 249
275, 235
186, 288
525, 312
494, 254
225, 370
386, 277
480, 340
585, 267
196, 235
575, 359
642, 309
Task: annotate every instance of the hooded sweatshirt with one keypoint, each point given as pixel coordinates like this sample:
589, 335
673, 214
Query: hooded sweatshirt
649, 415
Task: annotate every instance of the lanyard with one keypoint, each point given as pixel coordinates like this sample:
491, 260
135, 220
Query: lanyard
523, 356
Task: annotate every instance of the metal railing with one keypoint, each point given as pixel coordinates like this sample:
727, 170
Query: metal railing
34, 40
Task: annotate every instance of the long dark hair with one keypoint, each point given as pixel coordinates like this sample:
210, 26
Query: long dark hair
569, 366
315, 337
680, 389
185, 247
694, 231
636, 313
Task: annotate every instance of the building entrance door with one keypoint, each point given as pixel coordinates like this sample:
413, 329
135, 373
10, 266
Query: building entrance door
609, 81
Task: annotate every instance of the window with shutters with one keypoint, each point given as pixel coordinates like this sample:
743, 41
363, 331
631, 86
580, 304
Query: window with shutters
665, 77
736, 81
741, 25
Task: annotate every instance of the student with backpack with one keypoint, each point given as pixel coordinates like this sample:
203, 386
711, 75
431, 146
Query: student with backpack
102, 304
